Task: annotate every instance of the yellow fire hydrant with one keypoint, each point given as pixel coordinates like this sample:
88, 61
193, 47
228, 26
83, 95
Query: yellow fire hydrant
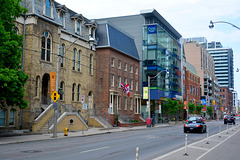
65, 131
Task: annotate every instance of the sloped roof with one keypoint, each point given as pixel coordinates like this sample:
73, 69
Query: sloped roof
191, 68
113, 37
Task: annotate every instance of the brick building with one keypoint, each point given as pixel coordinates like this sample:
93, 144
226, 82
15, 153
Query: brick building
117, 62
227, 96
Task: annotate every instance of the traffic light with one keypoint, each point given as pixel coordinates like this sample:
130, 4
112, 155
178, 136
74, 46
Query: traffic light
213, 102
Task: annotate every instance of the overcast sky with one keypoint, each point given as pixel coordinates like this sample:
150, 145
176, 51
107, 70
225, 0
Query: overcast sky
189, 17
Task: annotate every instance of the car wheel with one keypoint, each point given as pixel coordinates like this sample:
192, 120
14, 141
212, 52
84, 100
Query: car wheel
202, 130
233, 122
225, 122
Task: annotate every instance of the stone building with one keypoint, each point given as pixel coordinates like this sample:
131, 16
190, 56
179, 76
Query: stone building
54, 33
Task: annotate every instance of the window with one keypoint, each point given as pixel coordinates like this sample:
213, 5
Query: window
193, 90
37, 86
125, 103
131, 84
190, 76
79, 61
91, 65
119, 64
112, 80
62, 54
125, 80
136, 86
131, 69
73, 92
125, 66
183, 74
48, 8
131, 104
12, 117
223, 90
78, 93
119, 103
78, 27
112, 62
3, 117
136, 71
61, 16
46, 46
74, 62
119, 82
190, 89
61, 91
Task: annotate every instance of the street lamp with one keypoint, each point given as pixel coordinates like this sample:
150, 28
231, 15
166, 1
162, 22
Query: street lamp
211, 25
149, 99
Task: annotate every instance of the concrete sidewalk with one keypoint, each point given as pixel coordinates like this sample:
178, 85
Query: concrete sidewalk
89, 132
208, 147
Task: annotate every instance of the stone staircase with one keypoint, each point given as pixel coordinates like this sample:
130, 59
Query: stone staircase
103, 122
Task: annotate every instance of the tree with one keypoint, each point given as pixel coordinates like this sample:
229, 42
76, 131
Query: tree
172, 107
199, 109
191, 108
210, 111
12, 79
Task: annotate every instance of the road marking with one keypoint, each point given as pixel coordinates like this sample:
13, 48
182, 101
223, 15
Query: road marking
94, 149
198, 148
216, 146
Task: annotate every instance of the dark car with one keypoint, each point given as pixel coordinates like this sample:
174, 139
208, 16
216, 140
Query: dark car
195, 124
229, 119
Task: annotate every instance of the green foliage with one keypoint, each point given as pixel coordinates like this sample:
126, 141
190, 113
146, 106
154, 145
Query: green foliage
171, 106
209, 111
198, 109
12, 79
191, 108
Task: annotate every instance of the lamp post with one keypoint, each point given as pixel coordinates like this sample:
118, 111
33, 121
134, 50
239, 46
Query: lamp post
149, 99
211, 25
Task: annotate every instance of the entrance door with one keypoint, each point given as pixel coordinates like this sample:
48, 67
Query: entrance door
45, 89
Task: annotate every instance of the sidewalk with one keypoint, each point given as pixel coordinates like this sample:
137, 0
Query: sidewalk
89, 132
201, 150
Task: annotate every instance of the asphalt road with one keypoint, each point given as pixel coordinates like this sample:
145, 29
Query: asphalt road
152, 143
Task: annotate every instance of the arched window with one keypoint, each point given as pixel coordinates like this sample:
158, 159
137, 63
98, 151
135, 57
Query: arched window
48, 6
91, 65
62, 54
37, 86
78, 93
74, 54
12, 117
61, 91
79, 60
46, 46
73, 92
3, 117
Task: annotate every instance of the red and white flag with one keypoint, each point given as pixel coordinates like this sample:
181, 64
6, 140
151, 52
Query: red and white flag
125, 88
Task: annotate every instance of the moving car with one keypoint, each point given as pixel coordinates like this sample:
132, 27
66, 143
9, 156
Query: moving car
195, 124
229, 119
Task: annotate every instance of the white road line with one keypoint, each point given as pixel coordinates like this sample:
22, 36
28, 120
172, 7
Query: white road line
198, 148
216, 146
94, 149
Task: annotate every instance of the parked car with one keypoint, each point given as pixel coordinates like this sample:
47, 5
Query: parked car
229, 119
195, 124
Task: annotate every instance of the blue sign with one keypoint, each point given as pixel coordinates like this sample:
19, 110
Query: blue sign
152, 29
203, 101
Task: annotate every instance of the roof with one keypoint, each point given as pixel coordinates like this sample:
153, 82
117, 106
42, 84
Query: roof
113, 37
191, 68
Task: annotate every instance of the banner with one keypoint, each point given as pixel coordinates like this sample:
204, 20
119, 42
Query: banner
185, 105
52, 81
145, 92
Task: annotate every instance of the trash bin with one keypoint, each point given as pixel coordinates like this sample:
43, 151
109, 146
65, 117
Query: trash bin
149, 122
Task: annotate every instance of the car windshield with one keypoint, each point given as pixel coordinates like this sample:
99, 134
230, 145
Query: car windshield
194, 120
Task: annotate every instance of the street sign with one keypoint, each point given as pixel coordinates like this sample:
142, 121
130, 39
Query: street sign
52, 81
55, 96
83, 99
159, 108
84, 106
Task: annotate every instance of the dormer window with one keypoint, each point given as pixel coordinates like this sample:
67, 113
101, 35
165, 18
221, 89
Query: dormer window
48, 11
78, 18
92, 25
62, 10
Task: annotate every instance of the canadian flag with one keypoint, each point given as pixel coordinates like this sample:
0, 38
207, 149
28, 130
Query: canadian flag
125, 88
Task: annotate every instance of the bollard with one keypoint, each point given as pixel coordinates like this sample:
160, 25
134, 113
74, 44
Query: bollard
207, 136
219, 131
185, 154
137, 149
232, 127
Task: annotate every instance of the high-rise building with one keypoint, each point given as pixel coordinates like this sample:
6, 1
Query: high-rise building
223, 59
